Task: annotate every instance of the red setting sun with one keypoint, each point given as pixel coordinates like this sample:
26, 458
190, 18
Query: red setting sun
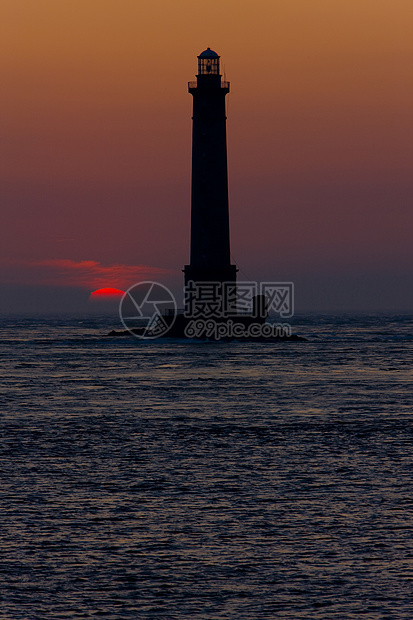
106, 294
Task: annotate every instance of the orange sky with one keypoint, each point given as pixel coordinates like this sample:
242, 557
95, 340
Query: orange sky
96, 125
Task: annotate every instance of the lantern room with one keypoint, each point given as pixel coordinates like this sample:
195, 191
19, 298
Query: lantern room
208, 63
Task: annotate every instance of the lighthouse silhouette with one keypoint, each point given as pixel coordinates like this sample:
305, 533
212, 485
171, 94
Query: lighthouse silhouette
217, 307
210, 258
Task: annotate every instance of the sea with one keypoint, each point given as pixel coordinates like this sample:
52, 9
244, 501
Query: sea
202, 480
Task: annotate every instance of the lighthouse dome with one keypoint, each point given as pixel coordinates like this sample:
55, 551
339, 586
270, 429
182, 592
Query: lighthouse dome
208, 63
208, 53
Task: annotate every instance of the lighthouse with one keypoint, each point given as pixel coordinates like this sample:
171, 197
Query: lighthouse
210, 256
216, 306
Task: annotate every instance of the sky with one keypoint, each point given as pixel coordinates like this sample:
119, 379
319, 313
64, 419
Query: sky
96, 146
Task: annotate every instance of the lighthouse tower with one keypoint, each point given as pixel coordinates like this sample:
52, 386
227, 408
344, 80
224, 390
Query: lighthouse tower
210, 246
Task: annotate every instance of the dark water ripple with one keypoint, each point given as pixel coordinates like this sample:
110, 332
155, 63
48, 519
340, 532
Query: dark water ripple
206, 481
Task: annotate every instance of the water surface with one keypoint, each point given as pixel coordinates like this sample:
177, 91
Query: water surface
199, 480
